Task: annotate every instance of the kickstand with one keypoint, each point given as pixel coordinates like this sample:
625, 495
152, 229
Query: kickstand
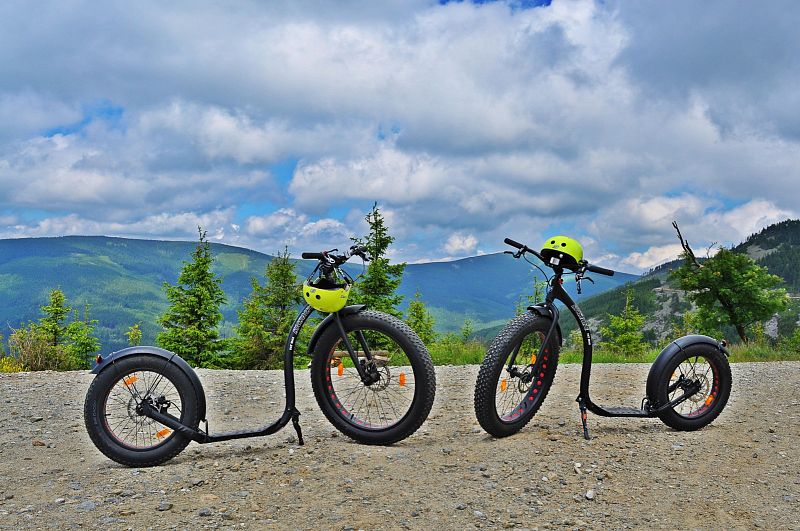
296, 424
584, 415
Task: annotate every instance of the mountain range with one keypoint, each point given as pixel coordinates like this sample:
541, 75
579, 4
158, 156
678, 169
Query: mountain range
655, 295
121, 280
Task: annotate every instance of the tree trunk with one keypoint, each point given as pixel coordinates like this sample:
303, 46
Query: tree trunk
740, 330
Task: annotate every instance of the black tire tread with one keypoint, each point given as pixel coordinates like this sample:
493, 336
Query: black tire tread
428, 383
680, 423
486, 385
94, 427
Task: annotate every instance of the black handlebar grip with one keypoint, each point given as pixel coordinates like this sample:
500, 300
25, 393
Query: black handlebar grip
512, 243
600, 270
312, 256
358, 249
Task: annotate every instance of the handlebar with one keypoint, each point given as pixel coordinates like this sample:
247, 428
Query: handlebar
599, 270
586, 266
512, 243
336, 259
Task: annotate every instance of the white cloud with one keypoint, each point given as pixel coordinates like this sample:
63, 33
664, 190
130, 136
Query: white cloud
166, 225
478, 120
653, 256
461, 244
287, 227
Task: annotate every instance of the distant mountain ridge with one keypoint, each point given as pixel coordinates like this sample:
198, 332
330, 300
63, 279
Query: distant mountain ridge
121, 280
776, 247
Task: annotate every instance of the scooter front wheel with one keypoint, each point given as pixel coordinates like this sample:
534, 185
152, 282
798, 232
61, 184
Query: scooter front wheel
392, 406
696, 365
514, 379
112, 420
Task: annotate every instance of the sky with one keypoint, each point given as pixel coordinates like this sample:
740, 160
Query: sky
282, 123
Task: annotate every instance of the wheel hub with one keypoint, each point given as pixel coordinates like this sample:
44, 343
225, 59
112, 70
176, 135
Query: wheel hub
703, 387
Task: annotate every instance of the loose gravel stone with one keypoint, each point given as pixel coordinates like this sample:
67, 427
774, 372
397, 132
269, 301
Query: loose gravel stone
438, 478
86, 506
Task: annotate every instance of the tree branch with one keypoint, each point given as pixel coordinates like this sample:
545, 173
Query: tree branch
686, 248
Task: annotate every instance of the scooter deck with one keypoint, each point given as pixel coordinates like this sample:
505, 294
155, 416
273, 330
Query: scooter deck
624, 411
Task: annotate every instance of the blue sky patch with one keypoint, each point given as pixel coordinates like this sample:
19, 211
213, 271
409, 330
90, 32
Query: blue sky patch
103, 110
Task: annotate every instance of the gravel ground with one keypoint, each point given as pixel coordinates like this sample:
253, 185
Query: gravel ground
743, 471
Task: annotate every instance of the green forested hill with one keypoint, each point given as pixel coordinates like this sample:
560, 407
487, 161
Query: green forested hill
121, 279
776, 247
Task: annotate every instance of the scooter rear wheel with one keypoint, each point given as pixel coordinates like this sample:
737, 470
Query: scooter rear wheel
119, 431
699, 363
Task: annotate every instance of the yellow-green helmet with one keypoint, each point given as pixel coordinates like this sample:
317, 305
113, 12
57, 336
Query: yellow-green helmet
562, 251
325, 296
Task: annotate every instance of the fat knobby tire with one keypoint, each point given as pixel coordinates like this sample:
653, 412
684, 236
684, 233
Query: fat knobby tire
721, 387
422, 366
95, 420
492, 369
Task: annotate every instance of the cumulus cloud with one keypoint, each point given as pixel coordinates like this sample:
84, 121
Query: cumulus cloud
179, 225
464, 121
287, 227
461, 244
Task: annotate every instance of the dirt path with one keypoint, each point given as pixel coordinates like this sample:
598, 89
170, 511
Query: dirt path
743, 471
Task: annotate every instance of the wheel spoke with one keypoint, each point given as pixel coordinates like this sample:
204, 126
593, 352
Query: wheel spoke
384, 402
123, 422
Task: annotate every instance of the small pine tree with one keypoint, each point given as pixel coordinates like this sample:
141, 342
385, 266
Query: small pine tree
467, 329
536, 296
82, 342
53, 343
134, 335
624, 332
267, 316
53, 325
378, 288
420, 320
190, 323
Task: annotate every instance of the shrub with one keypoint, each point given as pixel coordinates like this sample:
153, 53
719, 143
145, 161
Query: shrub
10, 364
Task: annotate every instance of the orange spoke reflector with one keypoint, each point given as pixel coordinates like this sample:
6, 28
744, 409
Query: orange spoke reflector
340, 369
130, 380
503, 385
533, 359
709, 400
163, 433
402, 379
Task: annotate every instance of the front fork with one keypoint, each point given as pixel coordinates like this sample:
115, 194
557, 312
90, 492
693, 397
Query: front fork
366, 370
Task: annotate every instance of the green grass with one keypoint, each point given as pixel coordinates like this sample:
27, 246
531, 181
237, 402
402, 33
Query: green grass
457, 353
762, 351
473, 353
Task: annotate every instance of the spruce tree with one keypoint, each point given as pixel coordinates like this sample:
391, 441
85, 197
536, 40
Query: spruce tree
53, 343
378, 288
53, 324
624, 332
190, 323
420, 320
467, 330
134, 335
267, 316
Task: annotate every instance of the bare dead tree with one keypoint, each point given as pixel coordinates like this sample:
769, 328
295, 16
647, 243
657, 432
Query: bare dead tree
686, 248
